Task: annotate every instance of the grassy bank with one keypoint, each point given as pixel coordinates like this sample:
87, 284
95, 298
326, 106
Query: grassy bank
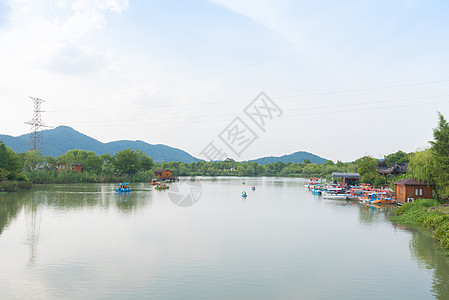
426, 213
14, 186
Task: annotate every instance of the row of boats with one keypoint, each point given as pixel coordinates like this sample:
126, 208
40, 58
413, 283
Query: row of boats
362, 193
124, 186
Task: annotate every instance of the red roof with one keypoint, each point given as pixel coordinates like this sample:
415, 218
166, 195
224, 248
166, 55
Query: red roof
411, 181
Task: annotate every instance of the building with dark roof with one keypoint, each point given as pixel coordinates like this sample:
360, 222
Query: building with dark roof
395, 169
347, 178
409, 189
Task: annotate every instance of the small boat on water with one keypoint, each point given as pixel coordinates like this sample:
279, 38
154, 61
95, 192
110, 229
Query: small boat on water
161, 187
244, 195
123, 187
253, 188
155, 181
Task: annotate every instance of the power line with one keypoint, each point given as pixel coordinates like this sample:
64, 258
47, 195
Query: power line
324, 107
247, 99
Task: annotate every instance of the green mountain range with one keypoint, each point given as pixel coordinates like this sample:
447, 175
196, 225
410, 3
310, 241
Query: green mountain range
61, 139
297, 157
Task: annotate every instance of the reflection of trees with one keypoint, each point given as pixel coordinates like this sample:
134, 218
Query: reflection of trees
372, 213
425, 250
10, 206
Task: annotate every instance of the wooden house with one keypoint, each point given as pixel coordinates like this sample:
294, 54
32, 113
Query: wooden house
165, 175
410, 189
69, 167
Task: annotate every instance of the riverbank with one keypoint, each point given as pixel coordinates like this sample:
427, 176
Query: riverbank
426, 214
14, 186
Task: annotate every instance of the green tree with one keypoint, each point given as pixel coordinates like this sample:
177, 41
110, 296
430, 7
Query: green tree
398, 157
10, 164
367, 169
126, 162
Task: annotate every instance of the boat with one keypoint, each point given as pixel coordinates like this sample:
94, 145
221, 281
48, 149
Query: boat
381, 198
253, 188
123, 187
335, 195
155, 181
244, 195
312, 182
161, 187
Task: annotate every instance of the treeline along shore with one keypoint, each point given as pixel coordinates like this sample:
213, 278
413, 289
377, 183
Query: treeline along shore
431, 165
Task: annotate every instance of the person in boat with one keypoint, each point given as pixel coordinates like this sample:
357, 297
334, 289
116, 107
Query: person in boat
243, 193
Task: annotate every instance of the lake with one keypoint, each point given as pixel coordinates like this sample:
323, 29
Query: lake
85, 241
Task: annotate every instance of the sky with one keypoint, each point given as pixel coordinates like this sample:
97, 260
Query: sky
340, 79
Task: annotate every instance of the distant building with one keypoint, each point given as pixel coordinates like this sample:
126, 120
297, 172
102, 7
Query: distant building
165, 175
347, 178
69, 167
407, 190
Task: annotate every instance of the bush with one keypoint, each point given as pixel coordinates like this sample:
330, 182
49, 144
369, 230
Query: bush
14, 186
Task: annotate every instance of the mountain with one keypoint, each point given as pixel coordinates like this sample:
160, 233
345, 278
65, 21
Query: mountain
63, 138
297, 157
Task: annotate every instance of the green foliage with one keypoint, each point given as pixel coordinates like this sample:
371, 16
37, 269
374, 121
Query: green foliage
367, 169
126, 162
432, 165
417, 214
10, 164
399, 157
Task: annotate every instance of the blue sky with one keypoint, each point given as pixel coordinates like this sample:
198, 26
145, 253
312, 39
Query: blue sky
352, 78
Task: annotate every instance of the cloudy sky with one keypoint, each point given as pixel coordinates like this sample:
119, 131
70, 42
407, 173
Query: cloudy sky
351, 78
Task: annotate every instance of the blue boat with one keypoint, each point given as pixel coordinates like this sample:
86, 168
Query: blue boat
123, 187
244, 195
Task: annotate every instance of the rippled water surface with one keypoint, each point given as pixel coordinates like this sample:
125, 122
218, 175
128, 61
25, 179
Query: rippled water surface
281, 242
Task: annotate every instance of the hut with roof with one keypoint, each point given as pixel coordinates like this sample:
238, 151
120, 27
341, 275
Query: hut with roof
409, 189
395, 169
165, 175
347, 178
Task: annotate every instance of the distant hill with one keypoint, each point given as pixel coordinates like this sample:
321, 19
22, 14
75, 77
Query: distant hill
63, 138
297, 157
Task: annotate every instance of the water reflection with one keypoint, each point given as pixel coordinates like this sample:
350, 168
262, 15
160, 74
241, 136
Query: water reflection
10, 206
424, 249
369, 214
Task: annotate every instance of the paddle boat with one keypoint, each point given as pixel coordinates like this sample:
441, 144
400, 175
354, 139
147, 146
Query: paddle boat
123, 187
155, 181
162, 187
244, 195
253, 188
381, 198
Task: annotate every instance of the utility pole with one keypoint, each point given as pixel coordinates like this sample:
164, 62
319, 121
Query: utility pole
36, 140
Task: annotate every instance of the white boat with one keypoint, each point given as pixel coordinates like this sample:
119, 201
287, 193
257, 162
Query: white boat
335, 196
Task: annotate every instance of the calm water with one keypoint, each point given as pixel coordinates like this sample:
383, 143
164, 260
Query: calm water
87, 242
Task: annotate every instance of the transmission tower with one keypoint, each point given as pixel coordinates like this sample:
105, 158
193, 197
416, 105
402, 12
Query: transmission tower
36, 139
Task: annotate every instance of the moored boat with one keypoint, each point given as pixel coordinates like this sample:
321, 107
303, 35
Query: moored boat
123, 187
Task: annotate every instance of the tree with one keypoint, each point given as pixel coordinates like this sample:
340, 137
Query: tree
33, 160
10, 163
398, 157
422, 166
126, 162
367, 169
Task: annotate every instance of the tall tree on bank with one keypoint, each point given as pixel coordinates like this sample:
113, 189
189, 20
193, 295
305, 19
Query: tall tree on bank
432, 165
